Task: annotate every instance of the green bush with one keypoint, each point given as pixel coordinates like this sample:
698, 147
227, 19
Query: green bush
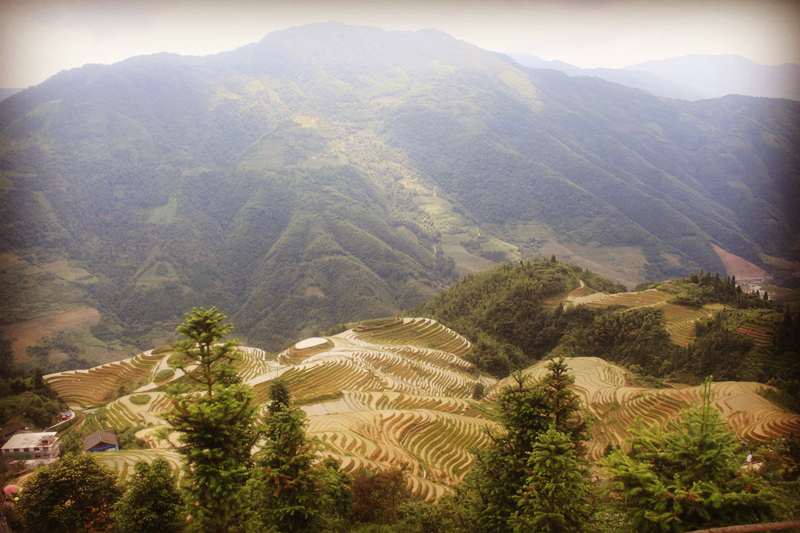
140, 399
163, 350
164, 375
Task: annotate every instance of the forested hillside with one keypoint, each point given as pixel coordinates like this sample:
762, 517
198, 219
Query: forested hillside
331, 173
684, 329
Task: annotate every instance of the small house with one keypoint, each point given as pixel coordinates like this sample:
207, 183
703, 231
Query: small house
100, 441
34, 445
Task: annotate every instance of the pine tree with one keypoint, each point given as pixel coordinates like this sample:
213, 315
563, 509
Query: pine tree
689, 477
203, 356
152, 502
555, 497
526, 412
217, 423
286, 490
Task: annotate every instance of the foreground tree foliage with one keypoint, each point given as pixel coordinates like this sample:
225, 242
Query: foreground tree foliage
378, 497
501, 472
217, 422
555, 497
72, 495
283, 489
689, 477
152, 503
290, 489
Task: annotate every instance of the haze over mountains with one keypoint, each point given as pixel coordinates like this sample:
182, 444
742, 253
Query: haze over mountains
332, 173
692, 77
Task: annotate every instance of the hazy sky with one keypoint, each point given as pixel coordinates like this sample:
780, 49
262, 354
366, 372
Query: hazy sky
38, 38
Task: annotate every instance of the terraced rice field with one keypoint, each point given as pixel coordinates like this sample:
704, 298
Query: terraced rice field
99, 385
680, 319
606, 395
433, 443
122, 461
648, 298
422, 332
760, 334
398, 391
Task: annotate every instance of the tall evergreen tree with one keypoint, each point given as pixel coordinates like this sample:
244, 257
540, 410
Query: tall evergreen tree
555, 496
217, 422
286, 490
526, 412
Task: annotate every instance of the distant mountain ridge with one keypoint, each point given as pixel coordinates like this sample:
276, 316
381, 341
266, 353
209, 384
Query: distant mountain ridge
5, 93
647, 81
719, 75
332, 173
692, 77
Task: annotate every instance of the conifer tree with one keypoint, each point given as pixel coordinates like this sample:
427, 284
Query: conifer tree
286, 489
152, 503
216, 421
555, 497
526, 412
689, 477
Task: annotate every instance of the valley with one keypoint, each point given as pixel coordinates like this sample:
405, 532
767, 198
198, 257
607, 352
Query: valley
350, 187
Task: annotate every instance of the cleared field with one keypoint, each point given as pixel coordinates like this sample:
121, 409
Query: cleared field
620, 263
736, 266
62, 269
28, 332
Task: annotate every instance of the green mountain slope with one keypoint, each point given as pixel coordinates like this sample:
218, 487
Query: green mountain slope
332, 173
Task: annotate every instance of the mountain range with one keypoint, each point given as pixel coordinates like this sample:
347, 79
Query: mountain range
692, 77
332, 173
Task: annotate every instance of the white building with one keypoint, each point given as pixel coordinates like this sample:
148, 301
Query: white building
36, 445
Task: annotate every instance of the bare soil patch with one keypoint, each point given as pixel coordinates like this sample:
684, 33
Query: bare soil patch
466, 263
26, 333
64, 271
314, 292
7, 260
736, 266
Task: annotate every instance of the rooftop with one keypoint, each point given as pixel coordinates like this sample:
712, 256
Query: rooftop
27, 440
